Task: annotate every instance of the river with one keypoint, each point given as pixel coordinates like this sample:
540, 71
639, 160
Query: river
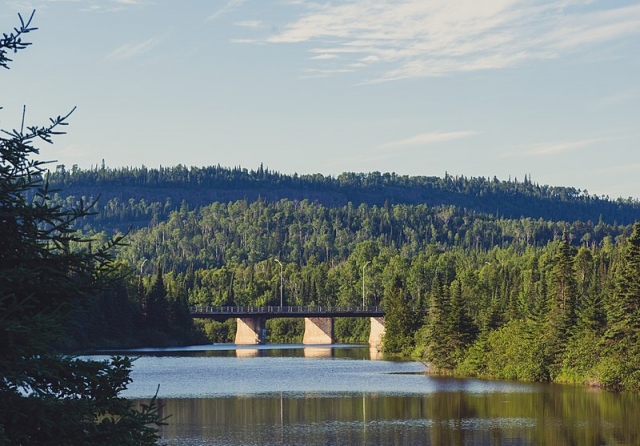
348, 395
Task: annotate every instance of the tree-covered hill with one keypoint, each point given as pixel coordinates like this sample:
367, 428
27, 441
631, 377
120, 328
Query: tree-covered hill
517, 280
134, 196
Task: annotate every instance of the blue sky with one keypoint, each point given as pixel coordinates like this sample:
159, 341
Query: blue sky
490, 88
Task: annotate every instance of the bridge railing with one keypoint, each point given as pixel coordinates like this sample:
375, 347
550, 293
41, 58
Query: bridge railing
301, 309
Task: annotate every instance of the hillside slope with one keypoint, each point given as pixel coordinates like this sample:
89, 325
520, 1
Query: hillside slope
132, 196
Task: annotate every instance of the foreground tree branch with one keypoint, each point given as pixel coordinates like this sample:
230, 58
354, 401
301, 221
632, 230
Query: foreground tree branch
48, 271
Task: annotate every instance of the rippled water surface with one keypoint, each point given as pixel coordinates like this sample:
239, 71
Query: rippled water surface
290, 395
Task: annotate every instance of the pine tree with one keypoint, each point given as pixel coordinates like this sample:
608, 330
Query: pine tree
157, 304
623, 312
48, 273
441, 342
564, 289
590, 311
619, 366
464, 330
561, 314
399, 318
180, 320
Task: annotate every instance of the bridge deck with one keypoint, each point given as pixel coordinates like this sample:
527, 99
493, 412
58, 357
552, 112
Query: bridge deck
270, 312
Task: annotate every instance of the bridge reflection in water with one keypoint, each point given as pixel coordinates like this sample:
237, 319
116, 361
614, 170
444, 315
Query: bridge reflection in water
318, 325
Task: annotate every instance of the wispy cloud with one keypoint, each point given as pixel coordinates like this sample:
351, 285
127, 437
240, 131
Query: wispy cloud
252, 41
552, 148
110, 6
438, 37
250, 24
428, 138
310, 73
324, 56
230, 6
131, 49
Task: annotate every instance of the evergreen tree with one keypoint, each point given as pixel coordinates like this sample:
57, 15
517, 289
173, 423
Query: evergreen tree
180, 320
47, 273
561, 312
399, 319
440, 339
463, 328
623, 312
157, 305
590, 311
564, 289
619, 366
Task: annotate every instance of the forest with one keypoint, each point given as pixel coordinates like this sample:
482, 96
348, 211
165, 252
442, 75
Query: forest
134, 196
508, 290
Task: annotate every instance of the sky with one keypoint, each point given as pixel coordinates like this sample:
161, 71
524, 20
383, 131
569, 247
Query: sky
507, 88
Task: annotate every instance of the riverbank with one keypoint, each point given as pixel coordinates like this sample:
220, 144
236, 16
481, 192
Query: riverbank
521, 351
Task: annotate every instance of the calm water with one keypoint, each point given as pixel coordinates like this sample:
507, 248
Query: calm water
289, 395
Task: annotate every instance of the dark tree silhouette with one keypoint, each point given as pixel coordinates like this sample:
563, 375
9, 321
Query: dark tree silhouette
46, 273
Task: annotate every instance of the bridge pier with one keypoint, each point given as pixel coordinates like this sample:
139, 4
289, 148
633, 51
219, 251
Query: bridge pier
250, 330
376, 333
318, 330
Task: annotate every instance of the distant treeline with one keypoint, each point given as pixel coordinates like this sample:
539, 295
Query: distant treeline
121, 190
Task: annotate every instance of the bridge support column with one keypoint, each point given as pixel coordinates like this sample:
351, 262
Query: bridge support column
250, 330
318, 330
376, 333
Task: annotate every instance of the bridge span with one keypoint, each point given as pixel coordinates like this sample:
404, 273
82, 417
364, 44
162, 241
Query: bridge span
270, 312
251, 328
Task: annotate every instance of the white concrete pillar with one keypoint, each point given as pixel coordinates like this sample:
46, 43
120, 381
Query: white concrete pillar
318, 330
250, 331
376, 333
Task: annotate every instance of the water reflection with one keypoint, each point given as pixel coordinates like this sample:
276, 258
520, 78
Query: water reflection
375, 354
560, 416
351, 351
318, 352
311, 396
247, 353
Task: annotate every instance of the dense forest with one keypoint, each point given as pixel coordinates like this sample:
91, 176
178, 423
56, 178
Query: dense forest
137, 195
508, 290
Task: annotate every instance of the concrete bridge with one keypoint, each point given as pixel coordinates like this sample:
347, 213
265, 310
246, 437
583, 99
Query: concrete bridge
318, 321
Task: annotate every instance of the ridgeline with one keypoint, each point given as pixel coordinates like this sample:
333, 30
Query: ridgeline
135, 196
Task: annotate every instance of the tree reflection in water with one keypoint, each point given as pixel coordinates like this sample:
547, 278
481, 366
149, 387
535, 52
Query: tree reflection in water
551, 415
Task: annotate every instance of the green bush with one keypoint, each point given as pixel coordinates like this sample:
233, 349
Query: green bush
510, 352
580, 358
351, 329
218, 332
285, 331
